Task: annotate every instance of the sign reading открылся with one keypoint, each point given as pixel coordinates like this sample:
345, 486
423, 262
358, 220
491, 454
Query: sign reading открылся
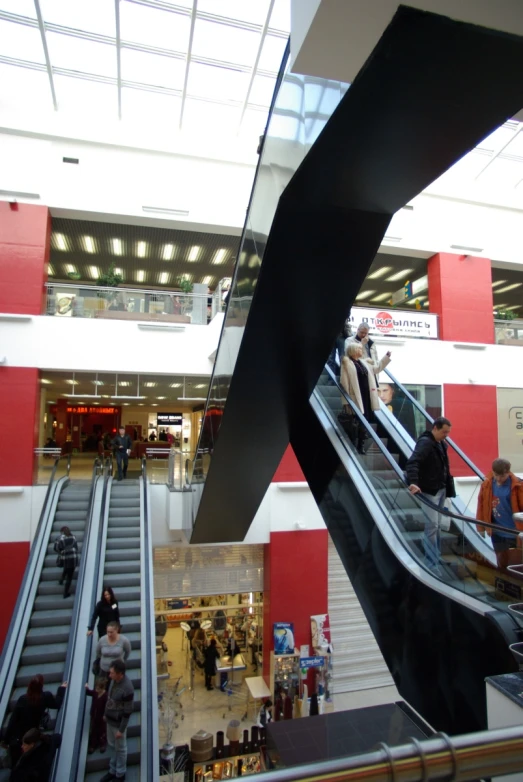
396, 323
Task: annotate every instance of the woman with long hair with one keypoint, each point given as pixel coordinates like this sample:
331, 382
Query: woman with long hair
67, 549
106, 610
28, 713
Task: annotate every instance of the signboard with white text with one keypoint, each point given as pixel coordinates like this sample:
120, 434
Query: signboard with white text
395, 323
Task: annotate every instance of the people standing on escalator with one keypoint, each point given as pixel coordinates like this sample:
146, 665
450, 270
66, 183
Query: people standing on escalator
122, 447
428, 474
106, 610
67, 549
500, 496
358, 379
112, 646
362, 338
36, 758
338, 350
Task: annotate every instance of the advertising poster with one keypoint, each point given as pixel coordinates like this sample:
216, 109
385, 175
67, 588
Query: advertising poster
321, 633
396, 323
283, 633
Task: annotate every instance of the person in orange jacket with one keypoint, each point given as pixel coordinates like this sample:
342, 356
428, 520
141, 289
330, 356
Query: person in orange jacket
500, 496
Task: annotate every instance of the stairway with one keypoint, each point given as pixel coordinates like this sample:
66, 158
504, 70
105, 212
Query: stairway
122, 573
48, 635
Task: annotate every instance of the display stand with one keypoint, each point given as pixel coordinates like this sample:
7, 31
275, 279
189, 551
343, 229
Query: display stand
284, 671
258, 691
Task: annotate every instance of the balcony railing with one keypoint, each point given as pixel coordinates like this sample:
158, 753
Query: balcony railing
93, 301
508, 332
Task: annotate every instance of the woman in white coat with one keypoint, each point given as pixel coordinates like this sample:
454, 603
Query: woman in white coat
358, 379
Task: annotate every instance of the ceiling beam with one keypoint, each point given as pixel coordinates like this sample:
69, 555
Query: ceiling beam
256, 61
46, 52
188, 61
118, 56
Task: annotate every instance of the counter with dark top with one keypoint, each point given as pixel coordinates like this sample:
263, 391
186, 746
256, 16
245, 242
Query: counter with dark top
509, 684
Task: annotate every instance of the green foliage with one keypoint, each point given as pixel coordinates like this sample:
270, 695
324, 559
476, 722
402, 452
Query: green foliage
184, 285
505, 315
109, 279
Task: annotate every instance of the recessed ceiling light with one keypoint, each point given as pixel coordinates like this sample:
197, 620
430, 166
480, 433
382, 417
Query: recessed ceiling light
499, 307
155, 405
206, 280
141, 249
498, 283
514, 307
117, 246
118, 271
60, 242
382, 297
46, 381
70, 269
140, 404
97, 382
140, 276
95, 403
175, 385
254, 261
89, 245
194, 253
468, 249
187, 277
509, 287
161, 397
150, 384
379, 273
364, 295
124, 382
168, 252
402, 275
164, 278
201, 385
94, 271
72, 382
220, 256
126, 404
50, 270
420, 285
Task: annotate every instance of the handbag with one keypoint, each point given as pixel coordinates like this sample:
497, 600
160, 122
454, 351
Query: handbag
349, 423
95, 668
60, 560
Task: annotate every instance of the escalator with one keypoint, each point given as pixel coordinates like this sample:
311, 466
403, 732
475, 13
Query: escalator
441, 630
40, 636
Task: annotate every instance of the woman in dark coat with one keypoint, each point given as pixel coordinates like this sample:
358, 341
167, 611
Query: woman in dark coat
36, 758
28, 713
106, 610
67, 549
211, 655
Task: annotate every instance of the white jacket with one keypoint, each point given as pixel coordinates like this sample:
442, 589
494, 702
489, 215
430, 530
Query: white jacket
349, 380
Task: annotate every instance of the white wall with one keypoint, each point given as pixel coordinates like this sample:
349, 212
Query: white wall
20, 513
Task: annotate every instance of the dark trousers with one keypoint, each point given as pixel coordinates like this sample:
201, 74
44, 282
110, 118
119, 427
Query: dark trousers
122, 460
67, 577
208, 680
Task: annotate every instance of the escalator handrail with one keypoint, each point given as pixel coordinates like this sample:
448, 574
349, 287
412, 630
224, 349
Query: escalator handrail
149, 696
31, 573
453, 516
429, 418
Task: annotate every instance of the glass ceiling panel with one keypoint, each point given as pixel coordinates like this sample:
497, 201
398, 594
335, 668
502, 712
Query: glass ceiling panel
272, 53
24, 43
200, 115
148, 110
220, 84
281, 16
94, 16
17, 83
80, 55
20, 7
262, 91
221, 42
152, 69
86, 98
151, 26
253, 12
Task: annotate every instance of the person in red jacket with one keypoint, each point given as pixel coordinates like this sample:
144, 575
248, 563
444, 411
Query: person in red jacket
500, 496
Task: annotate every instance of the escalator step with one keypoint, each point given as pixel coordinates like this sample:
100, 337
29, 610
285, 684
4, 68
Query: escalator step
72, 515
120, 566
49, 618
97, 762
52, 672
123, 532
44, 653
117, 553
117, 543
39, 635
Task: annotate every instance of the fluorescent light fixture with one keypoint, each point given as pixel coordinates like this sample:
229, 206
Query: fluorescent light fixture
46, 381
164, 278
192, 398
188, 277
150, 384
165, 210
175, 385
467, 249
206, 280
391, 239
364, 295
379, 273
420, 285
499, 307
201, 385
402, 275
124, 382
382, 297
498, 283
89, 245
220, 256
60, 242
97, 382
141, 249
514, 307
194, 253
140, 276
73, 382
116, 244
168, 252
70, 269
161, 397
50, 270
126, 404
126, 396
509, 287
154, 405
118, 271
94, 271
254, 261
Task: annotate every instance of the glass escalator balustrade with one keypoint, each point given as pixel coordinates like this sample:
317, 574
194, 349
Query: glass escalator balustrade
448, 554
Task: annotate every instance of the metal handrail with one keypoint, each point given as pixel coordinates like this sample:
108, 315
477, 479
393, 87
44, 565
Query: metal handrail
120, 289
429, 418
399, 472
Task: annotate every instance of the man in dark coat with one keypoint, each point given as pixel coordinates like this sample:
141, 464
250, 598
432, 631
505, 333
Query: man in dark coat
122, 446
428, 474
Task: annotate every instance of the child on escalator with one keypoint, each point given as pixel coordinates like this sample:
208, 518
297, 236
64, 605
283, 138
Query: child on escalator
97, 730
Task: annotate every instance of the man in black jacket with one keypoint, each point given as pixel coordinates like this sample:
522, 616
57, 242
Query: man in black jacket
122, 446
428, 474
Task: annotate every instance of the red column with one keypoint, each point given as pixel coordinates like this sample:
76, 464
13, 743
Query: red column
13, 559
472, 410
289, 470
25, 236
460, 292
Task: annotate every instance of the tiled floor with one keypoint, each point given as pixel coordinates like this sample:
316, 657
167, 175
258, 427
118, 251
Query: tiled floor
212, 711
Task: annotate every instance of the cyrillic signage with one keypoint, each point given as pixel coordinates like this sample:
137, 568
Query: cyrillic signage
396, 323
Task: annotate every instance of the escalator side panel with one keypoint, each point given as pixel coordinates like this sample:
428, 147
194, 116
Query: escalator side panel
437, 650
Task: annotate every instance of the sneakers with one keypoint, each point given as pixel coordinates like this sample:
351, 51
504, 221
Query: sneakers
108, 777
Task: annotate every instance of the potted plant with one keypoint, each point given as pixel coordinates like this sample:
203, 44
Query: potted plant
109, 279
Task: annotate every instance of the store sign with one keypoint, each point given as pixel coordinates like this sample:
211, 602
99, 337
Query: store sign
396, 323
86, 410
508, 588
311, 662
169, 419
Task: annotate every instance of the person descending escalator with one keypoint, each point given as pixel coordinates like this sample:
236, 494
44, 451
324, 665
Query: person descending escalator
67, 549
500, 497
122, 447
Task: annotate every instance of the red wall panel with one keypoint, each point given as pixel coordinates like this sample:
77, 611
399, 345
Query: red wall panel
296, 584
460, 292
289, 470
25, 235
472, 409
13, 559
19, 411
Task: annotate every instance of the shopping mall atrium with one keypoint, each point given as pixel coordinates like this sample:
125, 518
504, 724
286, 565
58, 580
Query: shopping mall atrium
200, 201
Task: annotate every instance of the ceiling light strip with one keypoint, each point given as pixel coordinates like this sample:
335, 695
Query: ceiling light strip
256, 61
118, 56
188, 61
46, 52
